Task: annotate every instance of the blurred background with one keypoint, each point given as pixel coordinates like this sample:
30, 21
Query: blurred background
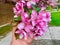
6, 16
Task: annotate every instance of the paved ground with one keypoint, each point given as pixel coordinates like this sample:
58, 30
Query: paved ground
51, 37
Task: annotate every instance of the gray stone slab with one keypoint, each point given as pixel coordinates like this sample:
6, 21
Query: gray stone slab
6, 40
55, 33
42, 42
46, 42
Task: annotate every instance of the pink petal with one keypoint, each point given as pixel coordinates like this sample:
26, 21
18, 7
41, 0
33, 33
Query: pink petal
41, 33
33, 23
27, 29
25, 35
14, 9
21, 36
26, 15
20, 26
33, 15
36, 0
17, 32
28, 5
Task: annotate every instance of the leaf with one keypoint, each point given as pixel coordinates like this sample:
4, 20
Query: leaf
58, 6
49, 8
33, 6
17, 36
25, 8
29, 12
37, 9
17, 19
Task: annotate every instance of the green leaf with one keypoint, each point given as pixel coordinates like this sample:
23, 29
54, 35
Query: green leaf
33, 6
17, 19
37, 9
17, 36
25, 8
49, 8
58, 6
29, 12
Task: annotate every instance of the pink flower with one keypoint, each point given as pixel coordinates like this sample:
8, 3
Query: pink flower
48, 17
43, 8
34, 17
45, 16
21, 26
41, 33
36, 0
22, 34
25, 35
28, 28
22, 1
18, 32
24, 17
29, 4
33, 26
24, 29
18, 8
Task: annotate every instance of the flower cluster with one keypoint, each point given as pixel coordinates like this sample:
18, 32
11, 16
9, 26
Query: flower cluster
33, 22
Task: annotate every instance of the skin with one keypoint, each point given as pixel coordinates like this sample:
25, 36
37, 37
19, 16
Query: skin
15, 41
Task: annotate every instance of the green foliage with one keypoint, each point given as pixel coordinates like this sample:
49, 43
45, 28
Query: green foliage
17, 36
4, 30
25, 8
29, 12
58, 6
55, 16
37, 9
58, 0
17, 19
49, 8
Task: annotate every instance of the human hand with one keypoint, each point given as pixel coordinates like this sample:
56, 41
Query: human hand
15, 41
